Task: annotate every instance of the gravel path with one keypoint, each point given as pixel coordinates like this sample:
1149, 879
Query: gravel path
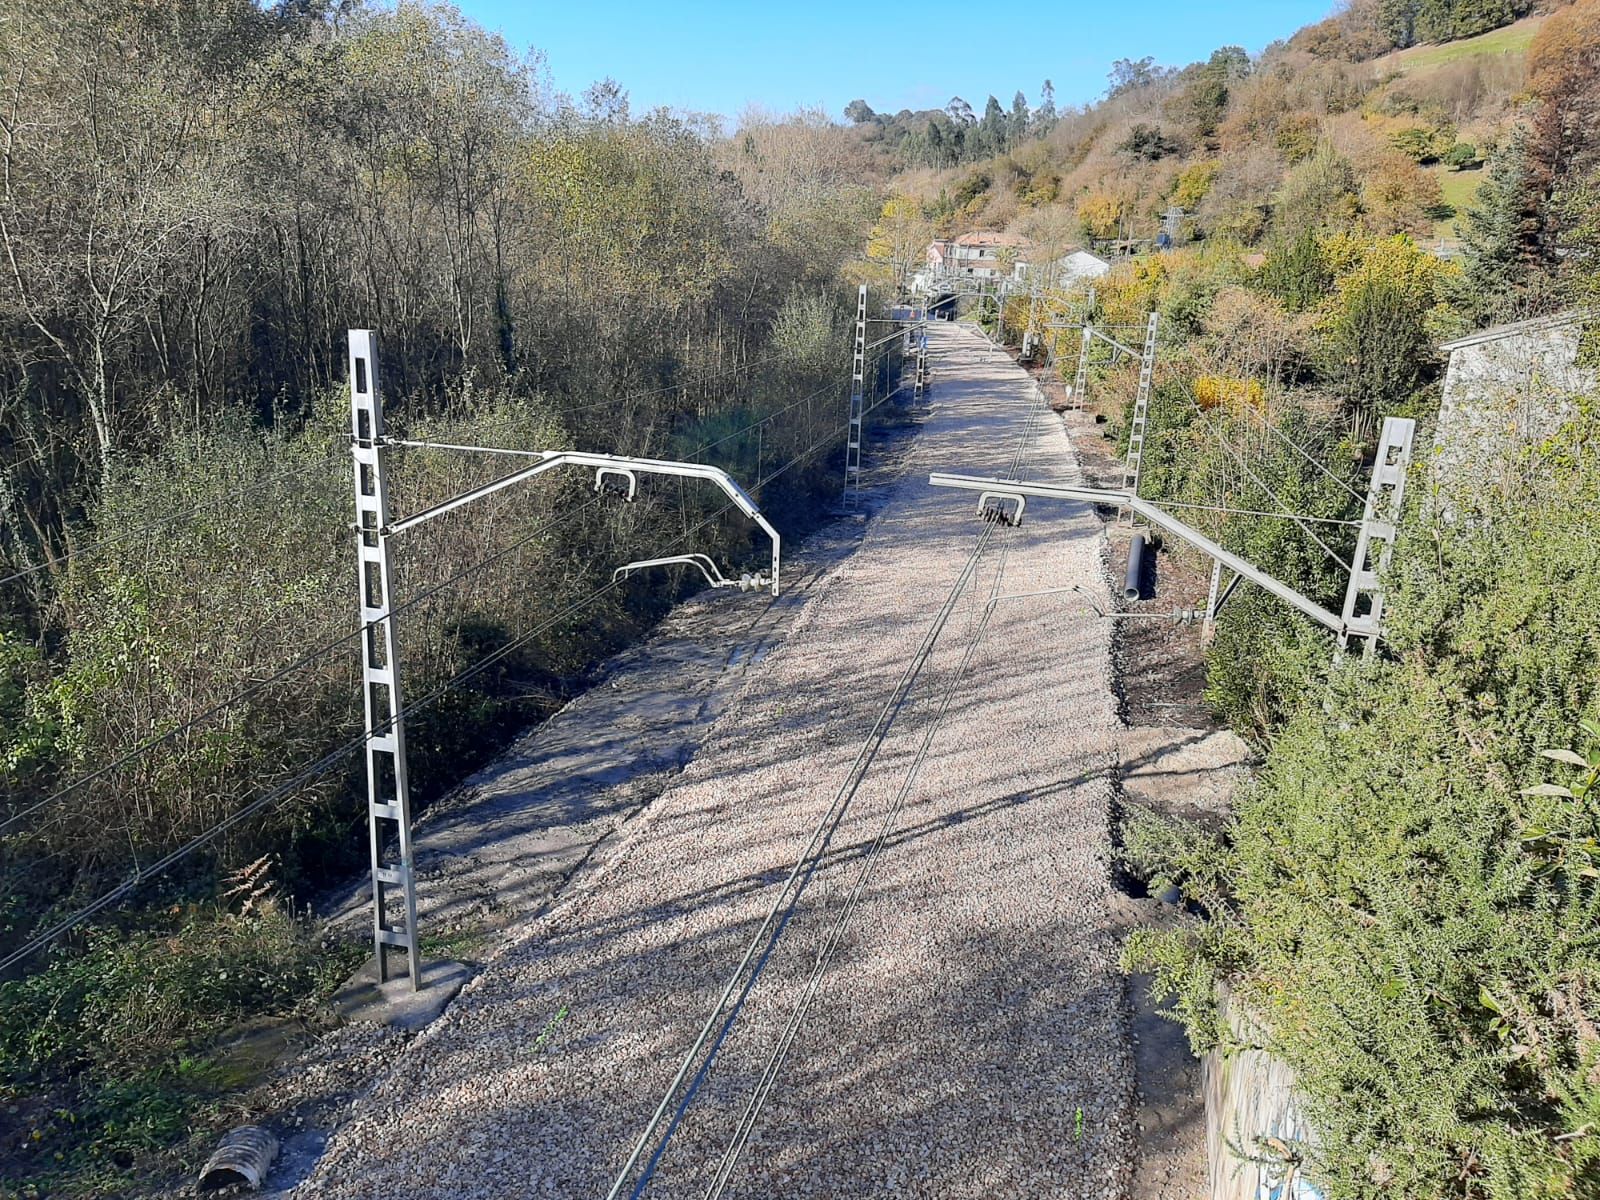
968, 1040
492, 854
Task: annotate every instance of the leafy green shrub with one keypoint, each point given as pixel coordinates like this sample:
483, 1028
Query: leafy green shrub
1409, 891
1380, 327
133, 1000
1296, 272
1147, 143
1416, 143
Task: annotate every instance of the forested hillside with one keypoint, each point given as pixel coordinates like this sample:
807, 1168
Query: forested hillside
1335, 127
196, 201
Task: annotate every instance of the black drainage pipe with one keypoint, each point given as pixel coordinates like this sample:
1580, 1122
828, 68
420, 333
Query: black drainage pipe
1131, 586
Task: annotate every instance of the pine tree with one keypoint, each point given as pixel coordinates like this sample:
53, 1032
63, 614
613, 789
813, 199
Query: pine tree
1500, 236
1019, 118
1297, 272
1435, 21
1472, 17
993, 128
1397, 21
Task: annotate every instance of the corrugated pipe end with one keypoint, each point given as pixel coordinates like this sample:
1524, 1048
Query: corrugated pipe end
244, 1156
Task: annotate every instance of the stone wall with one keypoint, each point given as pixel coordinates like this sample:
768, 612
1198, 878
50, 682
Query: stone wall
1504, 390
1253, 1122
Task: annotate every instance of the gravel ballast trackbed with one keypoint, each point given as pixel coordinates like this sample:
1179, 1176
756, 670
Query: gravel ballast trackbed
968, 1039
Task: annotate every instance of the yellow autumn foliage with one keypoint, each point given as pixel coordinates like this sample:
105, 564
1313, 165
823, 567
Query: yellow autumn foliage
1217, 391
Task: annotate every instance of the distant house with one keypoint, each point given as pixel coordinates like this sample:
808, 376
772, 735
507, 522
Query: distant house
1074, 267
1505, 388
990, 255
982, 255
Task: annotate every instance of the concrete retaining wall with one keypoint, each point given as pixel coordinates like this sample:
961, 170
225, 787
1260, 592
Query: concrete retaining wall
1506, 389
1252, 1118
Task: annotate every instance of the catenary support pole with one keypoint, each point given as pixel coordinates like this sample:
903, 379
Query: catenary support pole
920, 380
394, 897
1363, 599
852, 451
1141, 412
1080, 383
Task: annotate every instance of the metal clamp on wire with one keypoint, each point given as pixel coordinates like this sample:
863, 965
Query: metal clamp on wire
618, 475
996, 513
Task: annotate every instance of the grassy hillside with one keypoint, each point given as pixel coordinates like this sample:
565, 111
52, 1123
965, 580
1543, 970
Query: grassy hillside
1508, 41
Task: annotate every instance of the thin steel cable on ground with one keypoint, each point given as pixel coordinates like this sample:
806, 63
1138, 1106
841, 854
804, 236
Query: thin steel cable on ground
282, 791
785, 902
775, 1060
782, 908
780, 1052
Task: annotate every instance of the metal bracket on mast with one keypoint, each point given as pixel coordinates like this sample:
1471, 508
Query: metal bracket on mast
394, 897
855, 432
388, 787
703, 563
605, 466
1363, 599
1157, 517
1382, 516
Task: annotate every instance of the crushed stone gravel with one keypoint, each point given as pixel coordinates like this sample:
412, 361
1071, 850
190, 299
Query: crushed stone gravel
969, 1039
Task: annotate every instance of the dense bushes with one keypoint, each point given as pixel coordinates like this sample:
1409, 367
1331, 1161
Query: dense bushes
174, 495
249, 595
200, 200
131, 1017
234, 626
1409, 893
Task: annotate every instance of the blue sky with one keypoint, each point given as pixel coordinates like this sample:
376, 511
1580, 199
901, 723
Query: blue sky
717, 55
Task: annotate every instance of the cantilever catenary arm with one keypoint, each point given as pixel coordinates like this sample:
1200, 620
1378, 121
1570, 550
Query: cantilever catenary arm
1095, 331
1157, 517
603, 464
